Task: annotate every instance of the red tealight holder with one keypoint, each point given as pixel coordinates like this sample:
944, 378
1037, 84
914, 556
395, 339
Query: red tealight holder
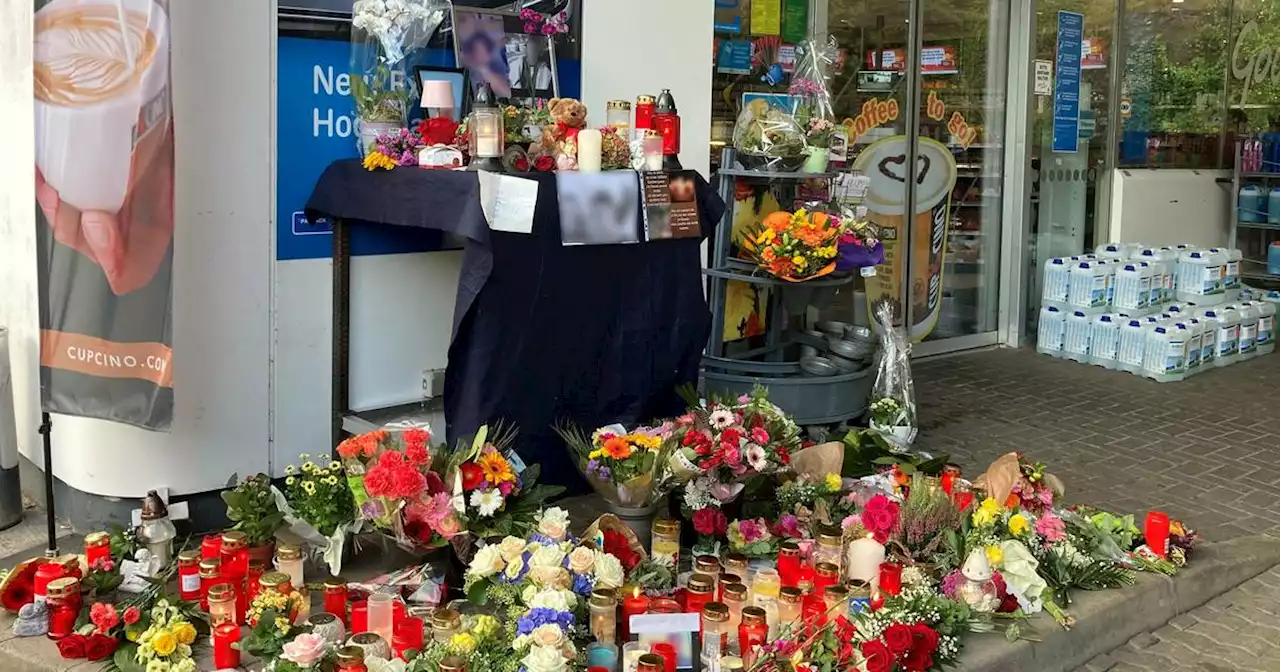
948, 482
226, 656
211, 547
890, 580
409, 635
668, 654
1156, 532
359, 617
636, 604
397, 613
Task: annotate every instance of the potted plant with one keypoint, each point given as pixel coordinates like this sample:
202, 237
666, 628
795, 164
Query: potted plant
252, 507
818, 137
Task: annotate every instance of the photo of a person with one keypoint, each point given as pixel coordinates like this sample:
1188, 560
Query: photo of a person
529, 59
481, 40
683, 189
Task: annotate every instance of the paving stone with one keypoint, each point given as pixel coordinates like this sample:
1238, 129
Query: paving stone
1184, 621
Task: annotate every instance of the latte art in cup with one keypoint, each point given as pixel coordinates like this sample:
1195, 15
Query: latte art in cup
83, 57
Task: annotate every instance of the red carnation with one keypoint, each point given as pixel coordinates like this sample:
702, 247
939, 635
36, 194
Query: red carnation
544, 164
417, 454
417, 435
878, 658
407, 482
131, 615
72, 646
710, 520
472, 476
617, 545
99, 647
899, 638
378, 482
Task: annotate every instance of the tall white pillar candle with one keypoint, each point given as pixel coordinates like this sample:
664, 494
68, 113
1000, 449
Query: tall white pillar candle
589, 141
863, 558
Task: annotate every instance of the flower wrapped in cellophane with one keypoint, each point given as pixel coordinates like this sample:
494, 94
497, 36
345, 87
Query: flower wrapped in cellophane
628, 468
795, 246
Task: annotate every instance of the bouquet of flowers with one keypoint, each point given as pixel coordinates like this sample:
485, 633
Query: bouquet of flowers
893, 394
768, 138
615, 150
1017, 482
394, 487
483, 642
494, 494
795, 246
393, 148
163, 635
318, 506
752, 538
631, 469
859, 245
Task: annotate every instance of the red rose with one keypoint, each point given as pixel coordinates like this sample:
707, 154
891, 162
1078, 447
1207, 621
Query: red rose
99, 647
522, 164
472, 476
72, 646
709, 520
131, 615
917, 661
899, 638
437, 131
878, 658
18, 593
544, 164
925, 639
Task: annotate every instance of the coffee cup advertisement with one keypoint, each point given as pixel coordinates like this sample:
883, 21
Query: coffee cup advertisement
912, 261
104, 208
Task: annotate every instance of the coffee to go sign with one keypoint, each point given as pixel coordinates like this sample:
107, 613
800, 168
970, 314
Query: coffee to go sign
1256, 66
875, 112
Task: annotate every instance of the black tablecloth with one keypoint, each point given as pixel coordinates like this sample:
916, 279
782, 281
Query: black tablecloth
545, 333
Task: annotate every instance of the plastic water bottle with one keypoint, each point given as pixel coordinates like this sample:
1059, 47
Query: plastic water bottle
1266, 327
1195, 338
1050, 334
1273, 205
1208, 343
1104, 341
1248, 330
1231, 271
1133, 287
1165, 358
1198, 276
1111, 251
1057, 283
1161, 283
1133, 341
1252, 207
1077, 337
1226, 325
1088, 286
1273, 258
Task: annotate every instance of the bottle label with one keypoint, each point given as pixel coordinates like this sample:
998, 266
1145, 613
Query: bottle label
1175, 357
1193, 353
190, 583
1211, 280
1227, 340
1266, 325
1104, 343
1233, 274
1248, 337
1098, 296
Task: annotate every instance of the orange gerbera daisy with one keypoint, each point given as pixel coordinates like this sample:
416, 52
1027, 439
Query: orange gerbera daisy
617, 448
496, 468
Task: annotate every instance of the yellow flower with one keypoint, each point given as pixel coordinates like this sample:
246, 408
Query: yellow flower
185, 632
290, 481
485, 625
309, 487
986, 513
463, 642
131, 635
308, 466
332, 480
335, 465
595, 454
832, 481
1019, 524
766, 236
282, 624
375, 160
995, 556
164, 643
290, 469
497, 470
799, 261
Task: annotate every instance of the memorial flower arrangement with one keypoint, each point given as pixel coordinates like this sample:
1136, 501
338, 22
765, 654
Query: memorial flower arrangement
394, 148
752, 538
163, 635
483, 642
615, 150
493, 493
627, 468
795, 246
252, 506
319, 494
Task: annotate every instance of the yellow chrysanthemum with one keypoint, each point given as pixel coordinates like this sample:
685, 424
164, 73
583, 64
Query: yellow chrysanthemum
290, 481
282, 624
309, 487
290, 470
164, 643
496, 468
1018, 525
335, 465
463, 642
995, 556
800, 261
308, 466
485, 626
332, 480
833, 481
185, 632
377, 160
986, 513
766, 236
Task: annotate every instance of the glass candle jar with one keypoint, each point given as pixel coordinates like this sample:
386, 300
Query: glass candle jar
350, 659
650, 662
664, 605
359, 617
226, 656
700, 591
836, 599
278, 582
634, 603
210, 573
289, 561
46, 573
62, 596
604, 616
890, 581
618, 115
859, 595
409, 635
652, 150
715, 630
97, 547
735, 598
737, 563
445, 623
382, 615
211, 547
189, 575
666, 541
602, 655
234, 554
670, 657
644, 112
829, 548
253, 581
789, 562
70, 565
731, 664
452, 664
725, 579
373, 645
752, 633
825, 574
335, 597
328, 626
765, 584
789, 609
222, 603
707, 564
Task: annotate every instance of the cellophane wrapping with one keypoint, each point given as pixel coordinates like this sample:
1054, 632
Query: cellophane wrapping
767, 138
811, 83
893, 396
383, 33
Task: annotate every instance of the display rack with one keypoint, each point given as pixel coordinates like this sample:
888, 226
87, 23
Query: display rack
1257, 236
776, 364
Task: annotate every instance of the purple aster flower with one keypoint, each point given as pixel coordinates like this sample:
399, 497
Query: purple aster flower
604, 473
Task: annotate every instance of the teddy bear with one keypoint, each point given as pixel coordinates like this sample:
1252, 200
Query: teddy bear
568, 116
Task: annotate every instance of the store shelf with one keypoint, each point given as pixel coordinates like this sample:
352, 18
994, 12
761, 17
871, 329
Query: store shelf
742, 272
1259, 225
773, 175
367, 421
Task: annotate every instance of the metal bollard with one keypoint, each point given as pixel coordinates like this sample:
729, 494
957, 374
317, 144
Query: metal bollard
10, 485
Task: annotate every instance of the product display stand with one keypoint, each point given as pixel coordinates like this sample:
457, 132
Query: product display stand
1254, 238
811, 399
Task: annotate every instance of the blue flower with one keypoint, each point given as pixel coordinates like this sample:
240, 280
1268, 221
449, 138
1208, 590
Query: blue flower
541, 616
583, 584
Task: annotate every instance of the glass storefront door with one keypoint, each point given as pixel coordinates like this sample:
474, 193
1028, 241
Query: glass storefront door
931, 84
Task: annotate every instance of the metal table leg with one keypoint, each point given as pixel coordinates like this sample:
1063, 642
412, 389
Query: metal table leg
341, 325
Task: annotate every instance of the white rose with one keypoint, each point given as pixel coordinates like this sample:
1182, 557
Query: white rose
511, 548
582, 559
545, 659
547, 556
557, 600
550, 577
553, 530
548, 635
514, 569
608, 571
488, 561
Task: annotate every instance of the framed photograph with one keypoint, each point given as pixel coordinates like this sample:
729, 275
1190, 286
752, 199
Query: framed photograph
457, 79
493, 48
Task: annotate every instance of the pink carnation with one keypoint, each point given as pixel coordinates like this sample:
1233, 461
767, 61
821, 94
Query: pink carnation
1051, 527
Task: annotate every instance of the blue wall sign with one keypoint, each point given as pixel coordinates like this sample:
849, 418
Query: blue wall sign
315, 125
1066, 89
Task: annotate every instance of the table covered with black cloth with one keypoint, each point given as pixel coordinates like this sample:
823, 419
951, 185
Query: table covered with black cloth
545, 333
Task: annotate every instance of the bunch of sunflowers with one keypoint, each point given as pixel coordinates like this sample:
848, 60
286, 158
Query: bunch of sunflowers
795, 246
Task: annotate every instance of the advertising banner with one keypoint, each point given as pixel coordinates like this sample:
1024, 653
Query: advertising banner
1066, 90
104, 208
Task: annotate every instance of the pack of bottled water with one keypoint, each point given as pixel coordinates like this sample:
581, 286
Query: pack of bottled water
1164, 313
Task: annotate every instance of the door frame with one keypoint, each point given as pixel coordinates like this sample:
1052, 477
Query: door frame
1015, 232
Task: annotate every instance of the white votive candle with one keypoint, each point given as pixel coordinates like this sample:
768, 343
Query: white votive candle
864, 557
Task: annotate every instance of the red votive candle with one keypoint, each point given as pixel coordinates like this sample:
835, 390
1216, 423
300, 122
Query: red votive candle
635, 604
397, 613
335, 597
700, 591
948, 482
408, 635
890, 581
668, 654
1156, 532
789, 563
226, 656
211, 547
45, 573
359, 617
97, 547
